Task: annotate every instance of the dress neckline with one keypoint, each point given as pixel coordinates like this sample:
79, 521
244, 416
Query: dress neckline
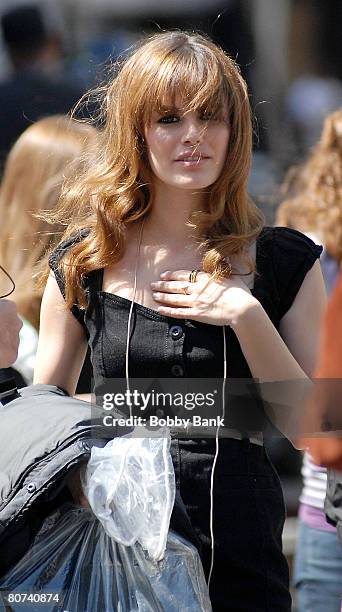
154, 313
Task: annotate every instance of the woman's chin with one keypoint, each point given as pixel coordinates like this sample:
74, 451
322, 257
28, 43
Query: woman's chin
193, 183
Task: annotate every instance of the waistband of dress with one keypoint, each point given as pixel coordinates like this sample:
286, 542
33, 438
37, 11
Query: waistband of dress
192, 431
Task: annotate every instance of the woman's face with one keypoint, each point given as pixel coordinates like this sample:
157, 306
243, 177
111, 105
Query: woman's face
187, 151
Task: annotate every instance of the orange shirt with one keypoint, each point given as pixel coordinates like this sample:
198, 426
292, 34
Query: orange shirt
330, 359
327, 450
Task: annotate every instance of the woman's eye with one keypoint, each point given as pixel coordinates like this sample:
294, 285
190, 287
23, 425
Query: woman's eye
168, 119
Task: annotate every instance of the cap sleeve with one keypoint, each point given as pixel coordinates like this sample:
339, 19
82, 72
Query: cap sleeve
54, 262
293, 256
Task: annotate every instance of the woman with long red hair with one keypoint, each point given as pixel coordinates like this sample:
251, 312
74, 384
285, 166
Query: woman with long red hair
169, 273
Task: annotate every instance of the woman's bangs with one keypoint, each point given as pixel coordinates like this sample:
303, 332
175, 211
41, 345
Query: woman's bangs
186, 81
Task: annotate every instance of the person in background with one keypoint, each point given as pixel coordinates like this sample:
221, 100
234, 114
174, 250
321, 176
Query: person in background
327, 451
315, 208
10, 326
314, 197
37, 88
326, 404
47, 152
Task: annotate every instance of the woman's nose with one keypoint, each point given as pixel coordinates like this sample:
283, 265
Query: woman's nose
193, 131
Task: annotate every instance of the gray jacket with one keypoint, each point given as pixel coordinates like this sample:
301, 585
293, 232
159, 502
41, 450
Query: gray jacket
44, 435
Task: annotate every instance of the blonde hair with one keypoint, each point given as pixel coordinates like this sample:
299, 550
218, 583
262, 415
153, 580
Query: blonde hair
118, 189
316, 189
33, 176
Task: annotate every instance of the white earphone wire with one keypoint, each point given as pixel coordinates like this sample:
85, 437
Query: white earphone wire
216, 455
131, 311
223, 397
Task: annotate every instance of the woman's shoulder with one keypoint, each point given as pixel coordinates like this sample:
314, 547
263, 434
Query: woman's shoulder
286, 256
65, 245
288, 243
55, 258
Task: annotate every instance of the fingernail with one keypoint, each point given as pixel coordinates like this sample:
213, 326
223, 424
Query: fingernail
153, 285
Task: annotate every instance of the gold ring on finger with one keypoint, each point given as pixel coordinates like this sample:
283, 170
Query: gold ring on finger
193, 276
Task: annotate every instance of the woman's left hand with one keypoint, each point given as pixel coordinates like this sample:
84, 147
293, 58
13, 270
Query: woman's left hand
217, 302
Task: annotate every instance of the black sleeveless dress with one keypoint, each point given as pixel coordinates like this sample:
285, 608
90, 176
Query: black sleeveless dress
250, 572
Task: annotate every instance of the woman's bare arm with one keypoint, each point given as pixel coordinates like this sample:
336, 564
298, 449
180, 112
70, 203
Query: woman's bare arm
62, 342
284, 361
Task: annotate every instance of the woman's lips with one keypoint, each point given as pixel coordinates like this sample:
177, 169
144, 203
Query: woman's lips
192, 162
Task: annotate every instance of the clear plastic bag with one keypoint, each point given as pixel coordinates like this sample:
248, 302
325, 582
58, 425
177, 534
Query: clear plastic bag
73, 557
130, 486
121, 557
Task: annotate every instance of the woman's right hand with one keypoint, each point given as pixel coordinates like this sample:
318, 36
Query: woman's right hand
10, 326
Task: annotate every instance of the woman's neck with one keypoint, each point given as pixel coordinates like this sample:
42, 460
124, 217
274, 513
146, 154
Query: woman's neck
169, 215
